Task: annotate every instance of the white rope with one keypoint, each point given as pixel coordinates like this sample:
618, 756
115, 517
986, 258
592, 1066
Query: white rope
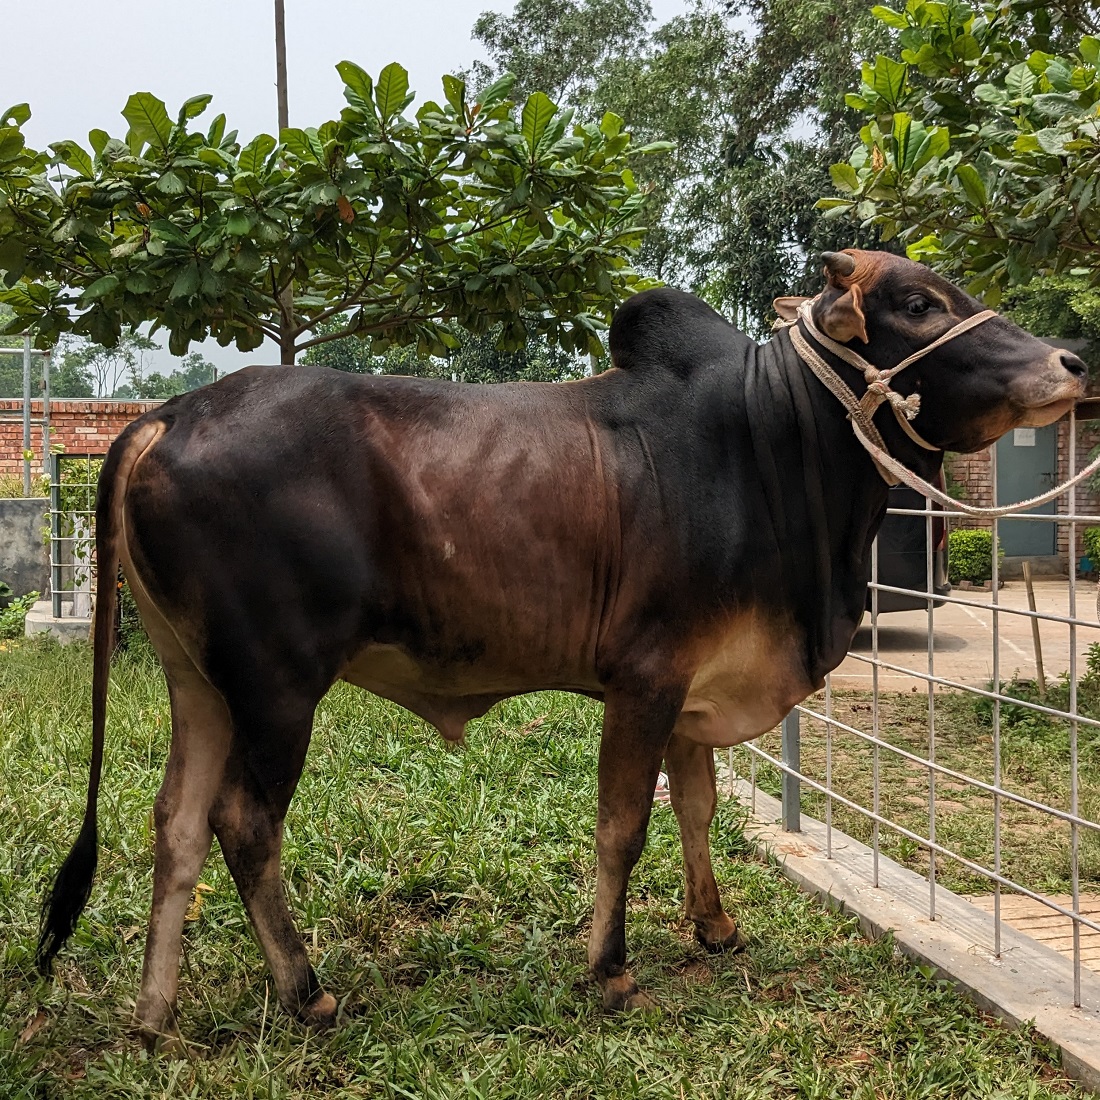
905, 409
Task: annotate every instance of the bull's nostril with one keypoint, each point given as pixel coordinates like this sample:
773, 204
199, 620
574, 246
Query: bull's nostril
1074, 364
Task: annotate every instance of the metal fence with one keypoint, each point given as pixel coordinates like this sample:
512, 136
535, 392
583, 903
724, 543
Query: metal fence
946, 793
73, 480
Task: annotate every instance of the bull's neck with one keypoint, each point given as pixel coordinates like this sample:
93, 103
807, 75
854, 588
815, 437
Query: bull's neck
824, 497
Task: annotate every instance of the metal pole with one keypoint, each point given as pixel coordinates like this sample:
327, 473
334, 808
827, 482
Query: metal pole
46, 360
26, 416
55, 535
792, 757
286, 295
280, 64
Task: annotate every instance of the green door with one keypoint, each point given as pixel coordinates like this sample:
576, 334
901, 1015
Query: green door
1027, 465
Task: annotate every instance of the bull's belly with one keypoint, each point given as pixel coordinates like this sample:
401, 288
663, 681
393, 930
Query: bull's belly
752, 677
449, 697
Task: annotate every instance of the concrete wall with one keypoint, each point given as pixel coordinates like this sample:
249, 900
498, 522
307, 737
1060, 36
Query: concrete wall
24, 557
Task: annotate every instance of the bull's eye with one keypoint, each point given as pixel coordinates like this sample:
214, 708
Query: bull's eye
917, 304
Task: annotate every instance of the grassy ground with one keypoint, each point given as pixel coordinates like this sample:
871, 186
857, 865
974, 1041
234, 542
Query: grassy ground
446, 897
1035, 763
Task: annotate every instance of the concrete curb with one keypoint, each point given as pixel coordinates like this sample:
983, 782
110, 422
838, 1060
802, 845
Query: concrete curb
40, 620
1028, 984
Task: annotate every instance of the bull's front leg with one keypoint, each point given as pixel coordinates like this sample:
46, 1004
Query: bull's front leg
636, 730
695, 798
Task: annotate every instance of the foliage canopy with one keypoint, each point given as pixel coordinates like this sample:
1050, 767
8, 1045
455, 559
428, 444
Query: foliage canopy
751, 93
466, 214
979, 145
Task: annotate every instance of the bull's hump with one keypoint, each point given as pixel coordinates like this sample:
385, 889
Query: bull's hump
672, 331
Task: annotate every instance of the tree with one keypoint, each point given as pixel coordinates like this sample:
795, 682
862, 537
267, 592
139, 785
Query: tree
102, 368
410, 228
756, 119
476, 359
979, 149
195, 371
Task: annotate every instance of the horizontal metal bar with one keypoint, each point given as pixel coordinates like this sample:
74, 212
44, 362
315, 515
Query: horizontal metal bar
985, 872
20, 352
1080, 718
924, 762
1023, 612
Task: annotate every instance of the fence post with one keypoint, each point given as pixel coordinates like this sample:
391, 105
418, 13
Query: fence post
55, 534
792, 757
26, 416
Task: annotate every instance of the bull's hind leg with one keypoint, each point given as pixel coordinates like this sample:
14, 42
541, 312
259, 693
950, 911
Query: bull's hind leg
196, 760
635, 732
694, 798
248, 818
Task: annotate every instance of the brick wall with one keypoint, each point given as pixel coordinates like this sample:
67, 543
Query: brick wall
973, 474
78, 426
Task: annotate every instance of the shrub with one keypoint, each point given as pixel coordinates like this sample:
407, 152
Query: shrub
1090, 536
969, 556
13, 616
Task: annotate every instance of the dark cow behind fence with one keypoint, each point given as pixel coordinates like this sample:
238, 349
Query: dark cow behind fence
685, 537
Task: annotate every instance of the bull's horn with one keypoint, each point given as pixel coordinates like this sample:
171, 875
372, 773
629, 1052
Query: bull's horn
838, 263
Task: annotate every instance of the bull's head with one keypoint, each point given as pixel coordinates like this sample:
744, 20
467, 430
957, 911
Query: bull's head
975, 387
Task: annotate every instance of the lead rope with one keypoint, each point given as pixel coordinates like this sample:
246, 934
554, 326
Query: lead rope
905, 409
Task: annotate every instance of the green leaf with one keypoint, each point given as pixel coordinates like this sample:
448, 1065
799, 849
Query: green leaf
72, 156
890, 17
1051, 141
238, 223
966, 48
844, 178
537, 113
254, 155
357, 81
973, 185
392, 90
1090, 49
888, 80
100, 288
16, 115
497, 92
1021, 81
187, 282
98, 139
193, 107
171, 184
148, 119
455, 91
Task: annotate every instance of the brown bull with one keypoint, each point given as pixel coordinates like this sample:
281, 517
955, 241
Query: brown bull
685, 537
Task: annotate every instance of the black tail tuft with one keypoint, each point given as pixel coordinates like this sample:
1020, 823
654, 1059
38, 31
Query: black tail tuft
68, 896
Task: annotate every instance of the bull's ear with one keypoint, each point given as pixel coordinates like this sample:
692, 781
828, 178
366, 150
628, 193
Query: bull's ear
842, 318
786, 309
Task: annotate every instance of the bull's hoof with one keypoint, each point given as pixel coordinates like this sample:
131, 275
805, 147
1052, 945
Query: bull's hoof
733, 941
621, 994
167, 1042
319, 1012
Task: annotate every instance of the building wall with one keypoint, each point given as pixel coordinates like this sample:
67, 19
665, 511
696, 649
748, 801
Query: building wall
972, 474
77, 426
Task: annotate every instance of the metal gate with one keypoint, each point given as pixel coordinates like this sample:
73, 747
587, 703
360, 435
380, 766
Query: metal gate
924, 762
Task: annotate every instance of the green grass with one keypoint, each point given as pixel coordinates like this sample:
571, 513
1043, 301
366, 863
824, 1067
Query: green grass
445, 896
1035, 763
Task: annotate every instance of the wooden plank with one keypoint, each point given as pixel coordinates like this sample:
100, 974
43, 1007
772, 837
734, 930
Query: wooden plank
1047, 926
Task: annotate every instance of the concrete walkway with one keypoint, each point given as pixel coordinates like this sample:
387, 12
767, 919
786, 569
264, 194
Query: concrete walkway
963, 638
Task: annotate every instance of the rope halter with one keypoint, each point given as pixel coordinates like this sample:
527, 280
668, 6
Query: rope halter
861, 411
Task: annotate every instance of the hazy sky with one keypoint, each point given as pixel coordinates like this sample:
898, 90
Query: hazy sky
76, 62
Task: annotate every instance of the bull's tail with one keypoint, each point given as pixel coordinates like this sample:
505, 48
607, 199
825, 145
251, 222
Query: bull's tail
69, 894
